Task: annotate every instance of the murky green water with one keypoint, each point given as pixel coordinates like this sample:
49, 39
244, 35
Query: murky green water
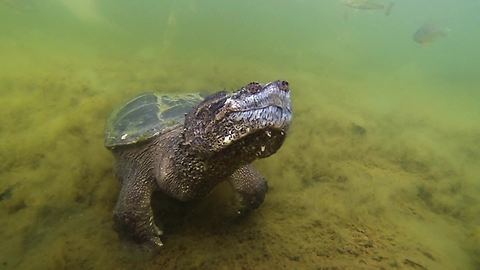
381, 168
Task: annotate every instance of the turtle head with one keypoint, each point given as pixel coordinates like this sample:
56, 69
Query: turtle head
251, 121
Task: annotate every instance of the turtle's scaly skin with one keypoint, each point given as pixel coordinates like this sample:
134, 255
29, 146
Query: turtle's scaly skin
219, 139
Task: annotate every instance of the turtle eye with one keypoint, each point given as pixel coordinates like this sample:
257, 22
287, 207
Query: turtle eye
253, 87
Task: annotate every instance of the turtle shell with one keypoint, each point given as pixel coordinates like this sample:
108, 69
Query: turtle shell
146, 116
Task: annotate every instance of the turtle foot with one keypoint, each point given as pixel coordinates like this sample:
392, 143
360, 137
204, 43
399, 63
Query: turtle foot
140, 230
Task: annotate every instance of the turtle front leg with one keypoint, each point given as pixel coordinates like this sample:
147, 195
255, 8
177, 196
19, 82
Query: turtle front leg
251, 187
133, 213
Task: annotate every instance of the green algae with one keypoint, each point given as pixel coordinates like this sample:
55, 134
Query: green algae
380, 168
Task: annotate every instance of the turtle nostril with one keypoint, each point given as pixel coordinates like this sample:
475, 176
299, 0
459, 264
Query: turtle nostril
283, 85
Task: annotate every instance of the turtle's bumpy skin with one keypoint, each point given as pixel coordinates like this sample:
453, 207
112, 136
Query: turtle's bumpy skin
186, 158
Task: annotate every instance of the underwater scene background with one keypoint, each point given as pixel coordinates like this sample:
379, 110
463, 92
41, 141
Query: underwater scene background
381, 168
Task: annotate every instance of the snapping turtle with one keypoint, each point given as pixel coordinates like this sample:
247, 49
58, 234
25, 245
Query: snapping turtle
184, 145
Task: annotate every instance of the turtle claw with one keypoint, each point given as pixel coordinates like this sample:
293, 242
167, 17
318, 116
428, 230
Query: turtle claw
156, 241
137, 229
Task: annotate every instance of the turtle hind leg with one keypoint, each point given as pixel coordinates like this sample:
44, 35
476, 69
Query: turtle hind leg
250, 186
133, 213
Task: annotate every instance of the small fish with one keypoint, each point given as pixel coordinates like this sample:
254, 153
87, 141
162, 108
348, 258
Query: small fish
369, 5
428, 33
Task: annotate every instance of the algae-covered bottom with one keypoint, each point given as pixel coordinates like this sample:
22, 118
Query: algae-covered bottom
350, 189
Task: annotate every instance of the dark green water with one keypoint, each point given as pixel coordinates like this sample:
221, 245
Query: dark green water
381, 167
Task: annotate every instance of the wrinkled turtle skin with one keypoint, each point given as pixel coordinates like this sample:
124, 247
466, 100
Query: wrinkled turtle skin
216, 141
